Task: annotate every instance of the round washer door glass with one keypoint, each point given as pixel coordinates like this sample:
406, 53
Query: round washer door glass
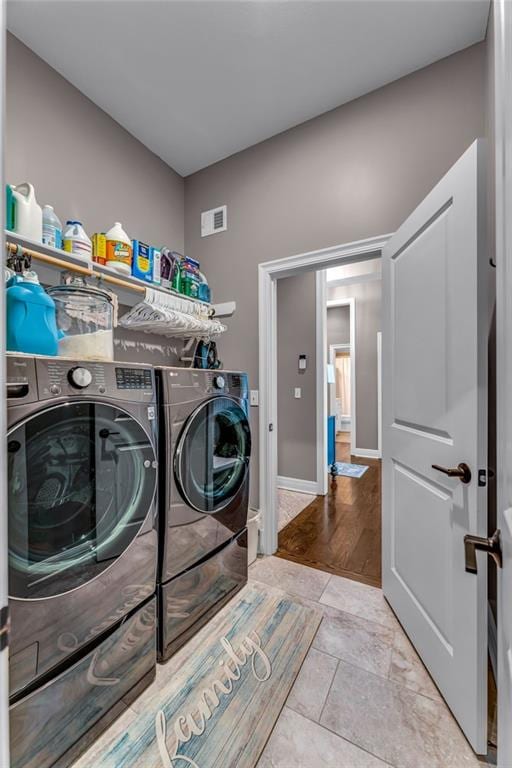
81, 481
212, 457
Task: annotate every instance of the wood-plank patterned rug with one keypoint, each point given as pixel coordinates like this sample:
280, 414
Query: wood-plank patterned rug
214, 704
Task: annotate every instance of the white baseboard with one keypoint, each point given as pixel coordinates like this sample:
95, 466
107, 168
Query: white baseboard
366, 453
294, 484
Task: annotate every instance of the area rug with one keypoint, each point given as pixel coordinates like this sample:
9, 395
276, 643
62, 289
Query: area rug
215, 703
349, 470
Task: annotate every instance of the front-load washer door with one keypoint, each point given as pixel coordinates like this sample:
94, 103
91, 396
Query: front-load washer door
81, 480
211, 462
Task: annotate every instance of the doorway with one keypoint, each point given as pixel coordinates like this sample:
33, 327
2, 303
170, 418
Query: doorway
339, 532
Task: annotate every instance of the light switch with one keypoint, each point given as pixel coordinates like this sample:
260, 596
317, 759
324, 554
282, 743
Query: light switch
255, 397
298, 393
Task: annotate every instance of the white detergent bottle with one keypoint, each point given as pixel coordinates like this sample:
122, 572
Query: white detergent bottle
52, 228
119, 249
29, 216
76, 240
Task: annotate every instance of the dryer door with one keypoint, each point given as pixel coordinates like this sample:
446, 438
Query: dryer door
82, 478
212, 456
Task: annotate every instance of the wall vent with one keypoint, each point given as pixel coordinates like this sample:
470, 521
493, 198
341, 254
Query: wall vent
214, 221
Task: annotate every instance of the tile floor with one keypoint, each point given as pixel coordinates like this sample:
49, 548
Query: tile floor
290, 504
363, 699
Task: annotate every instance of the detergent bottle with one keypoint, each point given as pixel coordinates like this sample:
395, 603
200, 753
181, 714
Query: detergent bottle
119, 249
31, 322
10, 209
29, 216
76, 240
52, 228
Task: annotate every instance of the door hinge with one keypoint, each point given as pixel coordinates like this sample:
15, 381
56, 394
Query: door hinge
270, 427
4, 627
491, 545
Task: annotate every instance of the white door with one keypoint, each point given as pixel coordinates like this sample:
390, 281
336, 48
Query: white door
434, 412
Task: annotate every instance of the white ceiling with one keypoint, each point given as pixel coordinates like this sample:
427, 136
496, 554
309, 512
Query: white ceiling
197, 80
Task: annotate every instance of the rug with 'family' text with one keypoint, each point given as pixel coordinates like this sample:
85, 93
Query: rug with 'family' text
215, 703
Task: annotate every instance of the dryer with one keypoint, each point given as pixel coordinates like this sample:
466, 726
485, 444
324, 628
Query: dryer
82, 508
205, 447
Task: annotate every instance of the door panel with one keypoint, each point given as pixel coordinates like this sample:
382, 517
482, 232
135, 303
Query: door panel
418, 272
434, 412
422, 512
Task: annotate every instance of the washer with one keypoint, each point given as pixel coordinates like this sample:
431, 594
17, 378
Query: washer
82, 475
205, 445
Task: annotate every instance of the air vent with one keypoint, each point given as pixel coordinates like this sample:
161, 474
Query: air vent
214, 221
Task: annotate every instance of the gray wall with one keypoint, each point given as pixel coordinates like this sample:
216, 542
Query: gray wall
338, 325
338, 332
352, 173
368, 322
296, 335
80, 160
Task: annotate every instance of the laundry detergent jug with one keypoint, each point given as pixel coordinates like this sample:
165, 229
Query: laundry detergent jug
77, 241
29, 216
10, 209
119, 249
31, 322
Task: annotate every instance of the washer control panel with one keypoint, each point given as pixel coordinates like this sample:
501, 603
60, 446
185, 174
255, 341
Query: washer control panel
134, 378
227, 383
64, 378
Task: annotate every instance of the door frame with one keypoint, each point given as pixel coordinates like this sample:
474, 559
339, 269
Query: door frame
268, 274
503, 223
351, 346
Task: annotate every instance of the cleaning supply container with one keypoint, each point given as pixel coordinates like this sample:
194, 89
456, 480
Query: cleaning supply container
76, 240
99, 248
156, 259
142, 261
119, 249
52, 228
29, 216
10, 209
204, 289
31, 317
84, 320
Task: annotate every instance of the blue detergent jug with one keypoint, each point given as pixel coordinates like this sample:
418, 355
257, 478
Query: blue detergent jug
31, 322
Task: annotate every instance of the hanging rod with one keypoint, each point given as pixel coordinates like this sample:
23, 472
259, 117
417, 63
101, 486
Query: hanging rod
70, 266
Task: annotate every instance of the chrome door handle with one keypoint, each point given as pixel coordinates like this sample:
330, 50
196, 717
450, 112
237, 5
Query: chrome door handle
462, 471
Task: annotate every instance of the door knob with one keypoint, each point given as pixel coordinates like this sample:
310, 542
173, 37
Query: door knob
462, 471
492, 546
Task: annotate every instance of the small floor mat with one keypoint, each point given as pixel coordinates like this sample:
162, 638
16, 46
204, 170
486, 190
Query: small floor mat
350, 470
215, 703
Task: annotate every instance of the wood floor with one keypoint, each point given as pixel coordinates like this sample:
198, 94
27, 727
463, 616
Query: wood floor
341, 533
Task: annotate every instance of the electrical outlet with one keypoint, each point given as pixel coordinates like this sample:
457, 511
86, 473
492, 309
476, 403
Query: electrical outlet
298, 393
255, 397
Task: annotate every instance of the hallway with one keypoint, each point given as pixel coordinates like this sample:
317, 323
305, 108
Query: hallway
340, 533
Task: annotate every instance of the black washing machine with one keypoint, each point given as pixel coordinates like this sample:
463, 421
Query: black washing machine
205, 447
82, 513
